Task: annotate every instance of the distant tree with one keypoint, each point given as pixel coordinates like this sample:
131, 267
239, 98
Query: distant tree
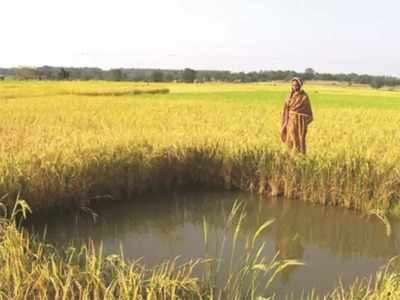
325, 76
241, 77
63, 74
365, 79
98, 74
169, 77
26, 73
157, 76
252, 76
309, 74
377, 82
289, 75
188, 75
45, 73
116, 75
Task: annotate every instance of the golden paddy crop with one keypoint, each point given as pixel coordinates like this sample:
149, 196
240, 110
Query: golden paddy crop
70, 143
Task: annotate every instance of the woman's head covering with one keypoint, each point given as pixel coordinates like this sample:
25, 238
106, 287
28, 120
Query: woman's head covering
299, 81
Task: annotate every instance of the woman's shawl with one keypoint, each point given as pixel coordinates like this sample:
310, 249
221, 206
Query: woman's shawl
297, 103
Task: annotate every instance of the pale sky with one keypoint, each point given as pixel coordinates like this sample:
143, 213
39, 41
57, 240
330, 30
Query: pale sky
237, 35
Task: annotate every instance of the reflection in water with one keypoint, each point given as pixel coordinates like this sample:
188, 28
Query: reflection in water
332, 242
289, 247
288, 242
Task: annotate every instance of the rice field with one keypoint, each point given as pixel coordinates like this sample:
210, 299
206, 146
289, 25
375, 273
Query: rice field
70, 144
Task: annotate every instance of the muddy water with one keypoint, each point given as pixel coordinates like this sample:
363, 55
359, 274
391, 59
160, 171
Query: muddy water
333, 242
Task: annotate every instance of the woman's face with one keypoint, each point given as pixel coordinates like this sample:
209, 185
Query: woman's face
295, 86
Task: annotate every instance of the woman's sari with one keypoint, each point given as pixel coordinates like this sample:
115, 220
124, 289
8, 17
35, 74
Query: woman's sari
297, 115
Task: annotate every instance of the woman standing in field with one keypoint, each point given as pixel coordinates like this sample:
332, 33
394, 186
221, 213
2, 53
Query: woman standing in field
297, 115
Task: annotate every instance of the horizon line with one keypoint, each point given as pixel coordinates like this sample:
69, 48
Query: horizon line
188, 67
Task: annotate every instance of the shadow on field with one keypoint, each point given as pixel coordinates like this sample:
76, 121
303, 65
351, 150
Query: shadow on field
121, 93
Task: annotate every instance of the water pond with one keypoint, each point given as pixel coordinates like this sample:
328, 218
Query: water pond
332, 242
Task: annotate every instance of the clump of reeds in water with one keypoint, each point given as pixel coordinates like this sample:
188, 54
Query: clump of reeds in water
29, 268
32, 269
248, 273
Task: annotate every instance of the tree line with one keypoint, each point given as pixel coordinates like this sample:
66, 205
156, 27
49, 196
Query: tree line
188, 75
